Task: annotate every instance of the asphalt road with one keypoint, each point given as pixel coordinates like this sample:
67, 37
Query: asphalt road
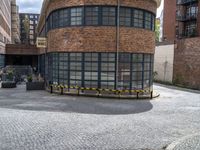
40, 121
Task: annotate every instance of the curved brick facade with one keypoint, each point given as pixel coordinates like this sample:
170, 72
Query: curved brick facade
100, 39
143, 4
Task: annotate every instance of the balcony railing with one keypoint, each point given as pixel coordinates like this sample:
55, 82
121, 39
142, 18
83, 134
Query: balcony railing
187, 17
184, 2
185, 34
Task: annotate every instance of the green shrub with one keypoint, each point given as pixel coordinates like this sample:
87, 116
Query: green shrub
29, 78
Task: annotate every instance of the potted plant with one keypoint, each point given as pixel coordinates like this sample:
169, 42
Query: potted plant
34, 84
8, 81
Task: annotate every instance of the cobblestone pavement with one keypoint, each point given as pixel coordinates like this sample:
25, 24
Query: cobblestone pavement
40, 121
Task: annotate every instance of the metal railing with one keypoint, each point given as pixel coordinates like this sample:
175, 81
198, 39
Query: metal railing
182, 2
64, 89
186, 17
188, 35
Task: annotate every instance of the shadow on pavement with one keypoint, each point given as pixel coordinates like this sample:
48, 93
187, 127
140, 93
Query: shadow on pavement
42, 101
80, 105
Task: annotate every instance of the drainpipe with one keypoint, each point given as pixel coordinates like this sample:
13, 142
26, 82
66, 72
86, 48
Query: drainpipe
118, 43
45, 54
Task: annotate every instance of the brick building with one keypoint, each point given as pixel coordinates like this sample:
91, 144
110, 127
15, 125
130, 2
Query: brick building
182, 26
88, 46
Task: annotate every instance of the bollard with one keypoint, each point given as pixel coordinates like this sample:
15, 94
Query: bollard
61, 90
151, 94
137, 95
51, 89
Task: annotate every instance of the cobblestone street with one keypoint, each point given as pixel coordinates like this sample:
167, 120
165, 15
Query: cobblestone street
40, 121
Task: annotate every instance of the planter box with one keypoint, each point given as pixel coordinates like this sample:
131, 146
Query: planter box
8, 84
35, 86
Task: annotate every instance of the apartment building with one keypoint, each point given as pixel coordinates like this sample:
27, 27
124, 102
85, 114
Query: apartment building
5, 28
28, 24
182, 27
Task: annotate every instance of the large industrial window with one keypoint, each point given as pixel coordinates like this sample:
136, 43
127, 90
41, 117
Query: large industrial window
98, 70
147, 69
108, 16
55, 63
91, 15
101, 15
125, 17
64, 18
148, 20
91, 70
138, 18
108, 70
137, 71
124, 71
55, 19
76, 69
76, 16
63, 68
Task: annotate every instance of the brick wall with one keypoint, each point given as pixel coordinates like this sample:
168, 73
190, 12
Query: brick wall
169, 20
101, 39
187, 63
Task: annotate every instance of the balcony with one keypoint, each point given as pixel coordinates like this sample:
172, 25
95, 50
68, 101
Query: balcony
186, 2
188, 17
190, 34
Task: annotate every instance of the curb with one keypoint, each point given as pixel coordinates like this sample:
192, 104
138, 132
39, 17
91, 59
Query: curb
173, 145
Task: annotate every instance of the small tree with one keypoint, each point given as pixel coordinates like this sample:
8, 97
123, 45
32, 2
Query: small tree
157, 30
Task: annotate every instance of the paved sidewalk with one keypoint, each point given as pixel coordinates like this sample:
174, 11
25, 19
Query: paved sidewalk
40, 121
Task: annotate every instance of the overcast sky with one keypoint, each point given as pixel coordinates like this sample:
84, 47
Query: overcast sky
29, 6
34, 6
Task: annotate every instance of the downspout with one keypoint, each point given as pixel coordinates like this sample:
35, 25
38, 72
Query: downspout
117, 43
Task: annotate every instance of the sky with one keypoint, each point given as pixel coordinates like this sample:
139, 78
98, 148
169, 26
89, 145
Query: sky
34, 6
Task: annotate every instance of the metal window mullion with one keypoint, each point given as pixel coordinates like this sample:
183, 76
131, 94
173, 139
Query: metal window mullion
58, 65
131, 70
132, 17
69, 69
69, 11
99, 70
151, 70
116, 71
144, 18
100, 16
143, 71
83, 15
151, 22
83, 70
